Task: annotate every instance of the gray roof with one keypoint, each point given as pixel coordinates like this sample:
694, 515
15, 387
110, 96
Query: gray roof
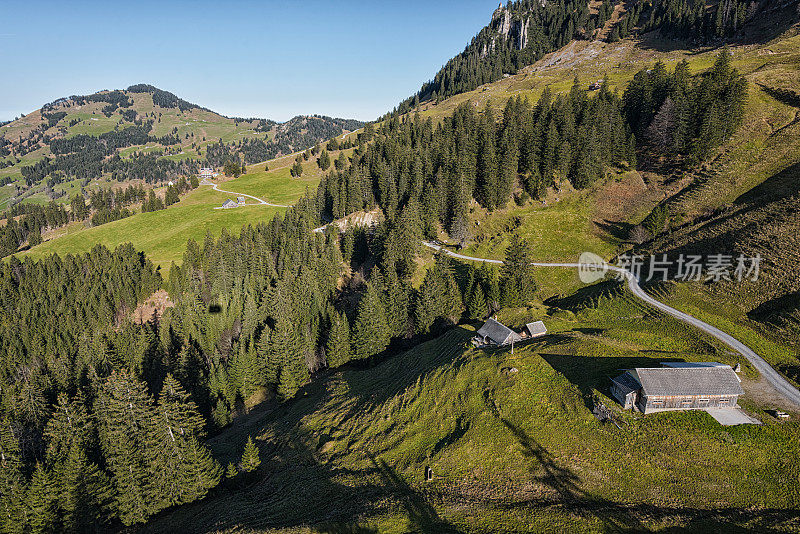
498, 332
627, 382
670, 381
536, 328
693, 364
228, 202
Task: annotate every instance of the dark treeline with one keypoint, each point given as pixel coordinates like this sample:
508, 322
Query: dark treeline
53, 118
440, 169
84, 439
108, 204
162, 98
25, 222
291, 136
149, 166
546, 26
84, 155
692, 19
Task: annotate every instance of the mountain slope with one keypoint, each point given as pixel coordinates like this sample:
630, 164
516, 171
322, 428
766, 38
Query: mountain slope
141, 133
523, 31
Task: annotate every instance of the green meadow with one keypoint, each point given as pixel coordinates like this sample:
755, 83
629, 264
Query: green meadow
162, 235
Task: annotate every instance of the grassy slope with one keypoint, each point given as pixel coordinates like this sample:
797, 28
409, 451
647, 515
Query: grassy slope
163, 235
510, 453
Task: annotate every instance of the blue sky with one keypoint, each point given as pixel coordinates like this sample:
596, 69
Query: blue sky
262, 59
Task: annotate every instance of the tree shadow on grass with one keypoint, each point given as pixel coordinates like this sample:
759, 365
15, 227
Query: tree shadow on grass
422, 517
566, 485
614, 231
587, 296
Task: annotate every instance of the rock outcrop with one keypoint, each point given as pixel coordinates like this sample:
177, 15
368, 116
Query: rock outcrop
509, 28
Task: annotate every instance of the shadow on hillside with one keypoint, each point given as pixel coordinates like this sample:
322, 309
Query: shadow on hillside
566, 485
767, 205
590, 373
785, 96
760, 29
586, 296
781, 185
618, 231
422, 517
776, 310
615, 517
394, 375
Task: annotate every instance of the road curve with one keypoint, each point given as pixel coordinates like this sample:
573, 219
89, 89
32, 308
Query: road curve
781, 385
259, 200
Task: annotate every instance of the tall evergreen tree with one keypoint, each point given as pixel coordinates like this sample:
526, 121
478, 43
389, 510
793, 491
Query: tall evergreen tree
370, 333
338, 345
250, 456
516, 275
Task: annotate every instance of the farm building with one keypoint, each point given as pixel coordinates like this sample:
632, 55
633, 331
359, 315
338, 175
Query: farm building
677, 388
240, 201
206, 172
536, 329
494, 332
229, 204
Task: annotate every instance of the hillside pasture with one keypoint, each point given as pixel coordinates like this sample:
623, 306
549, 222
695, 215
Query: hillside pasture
510, 451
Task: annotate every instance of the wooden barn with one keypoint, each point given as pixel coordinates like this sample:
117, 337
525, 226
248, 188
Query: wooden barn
677, 388
494, 332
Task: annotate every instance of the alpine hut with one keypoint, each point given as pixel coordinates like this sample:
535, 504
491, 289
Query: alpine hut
494, 332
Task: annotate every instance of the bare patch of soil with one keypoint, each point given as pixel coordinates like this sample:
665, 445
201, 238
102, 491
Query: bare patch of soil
153, 307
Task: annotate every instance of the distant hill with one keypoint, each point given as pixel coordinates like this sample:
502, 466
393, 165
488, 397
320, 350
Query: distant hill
141, 133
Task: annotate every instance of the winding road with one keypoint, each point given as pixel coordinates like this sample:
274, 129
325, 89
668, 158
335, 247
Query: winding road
781, 385
259, 200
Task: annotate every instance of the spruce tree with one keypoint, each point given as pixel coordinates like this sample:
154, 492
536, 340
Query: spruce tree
516, 277
85, 497
231, 471
338, 346
125, 414
41, 501
12, 483
184, 470
250, 456
476, 303
370, 333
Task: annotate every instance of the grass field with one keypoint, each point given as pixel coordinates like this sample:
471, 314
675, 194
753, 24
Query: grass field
510, 452
162, 235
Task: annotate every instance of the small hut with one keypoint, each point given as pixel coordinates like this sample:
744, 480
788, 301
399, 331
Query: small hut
536, 329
